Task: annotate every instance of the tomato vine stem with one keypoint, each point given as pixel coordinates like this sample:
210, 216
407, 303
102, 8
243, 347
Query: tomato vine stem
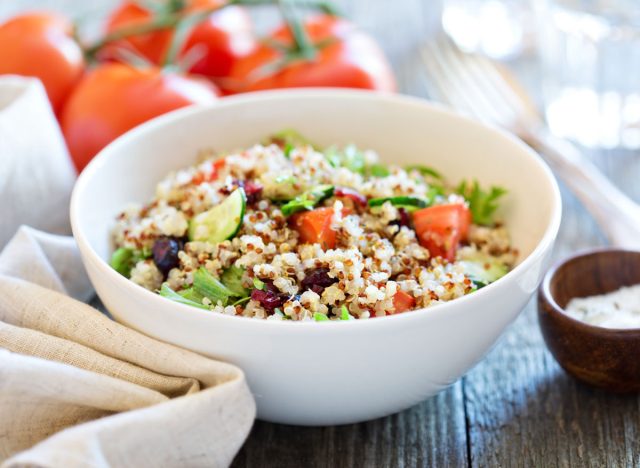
173, 17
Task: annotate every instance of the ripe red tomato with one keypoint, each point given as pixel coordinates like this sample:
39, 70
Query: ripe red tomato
346, 57
41, 45
114, 98
223, 38
440, 228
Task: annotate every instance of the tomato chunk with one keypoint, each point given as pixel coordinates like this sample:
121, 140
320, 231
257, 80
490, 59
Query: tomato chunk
314, 227
201, 177
441, 228
403, 301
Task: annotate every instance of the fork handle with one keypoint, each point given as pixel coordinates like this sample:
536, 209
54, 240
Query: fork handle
617, 215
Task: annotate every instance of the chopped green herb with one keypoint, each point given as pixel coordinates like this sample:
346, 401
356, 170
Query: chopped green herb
258, 284
241, 301
353, 159
424, 170
166, 291
482, 204
349, 156
345, 313
308, 200
232, 279
378, 170
204, 283
434, 192
320, 317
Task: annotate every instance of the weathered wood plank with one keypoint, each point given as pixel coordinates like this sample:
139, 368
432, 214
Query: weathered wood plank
430, 434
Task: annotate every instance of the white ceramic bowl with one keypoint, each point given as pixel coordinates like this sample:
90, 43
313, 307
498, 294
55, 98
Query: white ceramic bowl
335, 372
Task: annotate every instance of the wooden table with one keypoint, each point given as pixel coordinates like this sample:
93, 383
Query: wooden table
515, 408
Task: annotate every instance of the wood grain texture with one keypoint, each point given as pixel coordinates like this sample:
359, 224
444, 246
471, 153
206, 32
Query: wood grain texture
517, 407
430, 434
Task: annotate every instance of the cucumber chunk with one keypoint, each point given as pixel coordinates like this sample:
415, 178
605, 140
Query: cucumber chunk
408, 203
483, 269
221, 222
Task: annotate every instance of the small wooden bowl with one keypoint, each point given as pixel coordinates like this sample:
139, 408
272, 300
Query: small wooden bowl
604, 357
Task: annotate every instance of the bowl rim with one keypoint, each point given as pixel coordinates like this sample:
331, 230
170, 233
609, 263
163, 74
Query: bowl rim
548, 297
545, 242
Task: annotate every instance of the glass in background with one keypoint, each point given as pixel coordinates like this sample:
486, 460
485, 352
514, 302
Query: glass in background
590, 64
500, 29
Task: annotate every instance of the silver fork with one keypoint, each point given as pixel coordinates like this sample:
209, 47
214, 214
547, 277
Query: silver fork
479, 87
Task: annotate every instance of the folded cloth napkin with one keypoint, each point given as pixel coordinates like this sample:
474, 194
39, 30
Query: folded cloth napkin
89, 392
36, 174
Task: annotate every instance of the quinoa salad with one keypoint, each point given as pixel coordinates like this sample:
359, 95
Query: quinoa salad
285, 230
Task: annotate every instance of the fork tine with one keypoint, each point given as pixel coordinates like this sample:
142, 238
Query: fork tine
496, 83
500, 79
453, 70
451, 83
479, 86
439, 77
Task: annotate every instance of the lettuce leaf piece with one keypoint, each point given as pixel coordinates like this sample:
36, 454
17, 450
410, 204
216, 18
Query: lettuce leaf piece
166, 291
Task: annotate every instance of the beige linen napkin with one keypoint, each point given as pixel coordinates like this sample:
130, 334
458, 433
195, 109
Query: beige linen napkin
36, 174
89, 392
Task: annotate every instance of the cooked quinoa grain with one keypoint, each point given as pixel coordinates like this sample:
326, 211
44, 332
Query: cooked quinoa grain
287, 232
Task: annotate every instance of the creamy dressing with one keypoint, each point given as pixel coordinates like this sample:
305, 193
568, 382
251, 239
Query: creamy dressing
617, 309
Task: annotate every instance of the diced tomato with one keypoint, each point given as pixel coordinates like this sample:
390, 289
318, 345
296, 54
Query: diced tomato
403, 301
440, 228
465, 221
210, 176
314, 227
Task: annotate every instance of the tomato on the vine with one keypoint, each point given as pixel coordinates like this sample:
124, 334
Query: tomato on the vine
114, 98
41, 45
344, 57
224, 37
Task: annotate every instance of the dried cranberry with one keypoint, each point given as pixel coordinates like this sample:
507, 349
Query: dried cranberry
354, 195
269, 286
405, 219
252, 190
165, 253
268, 299
317, 280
